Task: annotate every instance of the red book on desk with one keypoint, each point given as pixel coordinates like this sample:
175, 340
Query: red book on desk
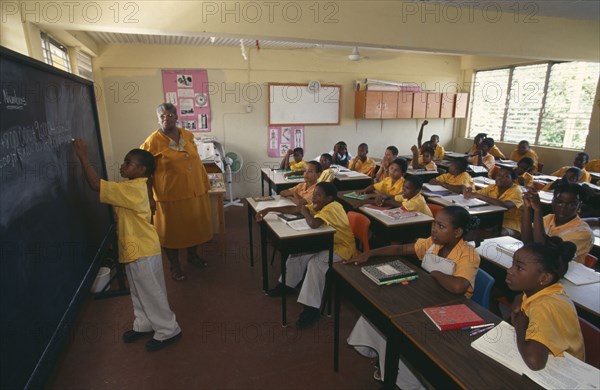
453, 317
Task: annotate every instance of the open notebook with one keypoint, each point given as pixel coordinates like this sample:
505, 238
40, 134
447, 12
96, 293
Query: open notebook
460, 200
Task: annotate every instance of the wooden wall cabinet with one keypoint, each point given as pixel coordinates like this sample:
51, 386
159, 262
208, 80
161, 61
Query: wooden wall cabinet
375, 105
404, 105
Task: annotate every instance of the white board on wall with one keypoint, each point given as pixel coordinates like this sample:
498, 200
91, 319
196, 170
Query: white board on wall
295, 104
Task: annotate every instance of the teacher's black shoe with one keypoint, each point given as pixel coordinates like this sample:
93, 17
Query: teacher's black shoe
308, 316
131, 335
278, 290
155, 345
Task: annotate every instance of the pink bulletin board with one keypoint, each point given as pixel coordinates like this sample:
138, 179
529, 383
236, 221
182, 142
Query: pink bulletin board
282, 138
187, 89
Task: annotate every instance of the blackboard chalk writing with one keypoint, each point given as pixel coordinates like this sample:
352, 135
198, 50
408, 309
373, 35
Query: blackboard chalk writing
13, 101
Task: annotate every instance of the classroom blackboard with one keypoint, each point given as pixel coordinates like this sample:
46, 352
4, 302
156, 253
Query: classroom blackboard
52, 226
296, 104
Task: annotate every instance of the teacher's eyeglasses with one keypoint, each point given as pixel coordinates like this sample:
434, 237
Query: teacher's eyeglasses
163, 116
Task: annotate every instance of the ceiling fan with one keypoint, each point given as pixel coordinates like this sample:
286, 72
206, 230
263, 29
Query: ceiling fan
355, 56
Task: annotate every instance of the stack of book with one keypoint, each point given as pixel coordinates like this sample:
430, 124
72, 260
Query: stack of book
453, 317
392, 272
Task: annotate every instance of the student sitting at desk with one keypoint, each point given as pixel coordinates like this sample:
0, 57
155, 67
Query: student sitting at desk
425, 159
447, 232
504, 193
581, 160
327, 174
324, 211
390, 186
494, 151
361, 163
571, 175
457, 177
438, 150
298, 163
482, 158
340, 154
564, 223
523, 150
302, 193
411, 198
391, 153
523, 170
544, 317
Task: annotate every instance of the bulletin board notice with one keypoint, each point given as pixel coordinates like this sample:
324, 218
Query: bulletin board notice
187, 89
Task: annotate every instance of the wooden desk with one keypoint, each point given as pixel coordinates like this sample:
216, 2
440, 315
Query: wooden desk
454, 155
276, 181
586, 297
490, 216
447, 358
287, 241
217, 192
343, 183
401, 230
444, 166
380, 304
423, 174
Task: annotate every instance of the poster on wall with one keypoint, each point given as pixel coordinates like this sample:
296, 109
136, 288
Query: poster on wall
187, 89
282, 138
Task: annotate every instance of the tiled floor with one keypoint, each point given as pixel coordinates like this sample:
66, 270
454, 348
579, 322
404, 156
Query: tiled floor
232, 335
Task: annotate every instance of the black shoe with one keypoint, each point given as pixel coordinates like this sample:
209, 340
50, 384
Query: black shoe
308, 316
131, 335
155, 345
278, 290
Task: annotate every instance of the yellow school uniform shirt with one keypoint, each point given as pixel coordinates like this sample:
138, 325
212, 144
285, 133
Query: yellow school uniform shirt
496, 152
515, 156
463, 179
593, 166
386, 186
488, 161
298, 166
366, 167
304, 191
553, 321
512, 217
326, 176
136, 235
527, 179
463, 255
439, 152
416, 203
431, 166
585, 176
576, 231
334, 215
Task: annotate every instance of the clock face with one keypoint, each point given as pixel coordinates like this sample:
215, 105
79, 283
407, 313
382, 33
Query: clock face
201, 99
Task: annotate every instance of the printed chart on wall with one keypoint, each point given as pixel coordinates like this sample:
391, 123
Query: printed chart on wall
187, 89
281, 139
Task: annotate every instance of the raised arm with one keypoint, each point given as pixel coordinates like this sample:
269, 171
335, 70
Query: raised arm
415, 159
420, 136
285, 163
88, 170
532, 204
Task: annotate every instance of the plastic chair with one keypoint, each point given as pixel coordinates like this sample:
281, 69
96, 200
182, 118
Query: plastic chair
591, 337
434, 208
360, 224
483, 288
590, 261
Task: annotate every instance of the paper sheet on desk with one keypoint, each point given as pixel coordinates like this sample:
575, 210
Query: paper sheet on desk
478, 169
460, 200
579, 274
273, 203
566, 372
434, 187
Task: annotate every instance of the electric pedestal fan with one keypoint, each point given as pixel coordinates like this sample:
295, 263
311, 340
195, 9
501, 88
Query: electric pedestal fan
233, 163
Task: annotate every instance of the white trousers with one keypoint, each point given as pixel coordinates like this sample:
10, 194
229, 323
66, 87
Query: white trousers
316, 266
149, 295
367, 340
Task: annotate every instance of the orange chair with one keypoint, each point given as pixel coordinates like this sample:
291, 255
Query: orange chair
434, 208
493, 172
360, 224
590, 261
591, 337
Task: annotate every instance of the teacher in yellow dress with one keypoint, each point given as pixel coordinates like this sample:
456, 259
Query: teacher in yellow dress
180, 183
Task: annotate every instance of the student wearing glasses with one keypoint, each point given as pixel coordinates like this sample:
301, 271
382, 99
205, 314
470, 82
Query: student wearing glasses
564, 222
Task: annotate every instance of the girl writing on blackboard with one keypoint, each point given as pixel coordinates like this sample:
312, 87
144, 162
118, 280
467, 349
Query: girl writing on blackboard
139, 247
